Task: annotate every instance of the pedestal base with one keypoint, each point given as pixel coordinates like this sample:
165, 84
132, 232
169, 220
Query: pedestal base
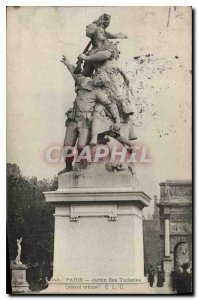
19, 283
98, 238
98, 177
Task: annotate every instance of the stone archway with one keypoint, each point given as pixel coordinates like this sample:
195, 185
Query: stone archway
181, 253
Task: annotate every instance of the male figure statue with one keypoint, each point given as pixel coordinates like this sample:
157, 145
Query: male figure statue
79, 118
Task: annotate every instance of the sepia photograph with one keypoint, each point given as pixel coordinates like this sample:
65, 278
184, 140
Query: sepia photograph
99, 150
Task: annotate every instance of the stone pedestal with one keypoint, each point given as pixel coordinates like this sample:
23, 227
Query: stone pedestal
19, 283
98, 238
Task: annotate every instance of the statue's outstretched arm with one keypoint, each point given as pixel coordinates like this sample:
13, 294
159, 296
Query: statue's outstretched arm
118, 35
69, 66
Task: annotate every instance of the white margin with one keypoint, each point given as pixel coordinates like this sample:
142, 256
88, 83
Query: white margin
3, 4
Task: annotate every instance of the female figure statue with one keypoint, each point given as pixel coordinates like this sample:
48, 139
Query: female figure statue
103, 56
18, 258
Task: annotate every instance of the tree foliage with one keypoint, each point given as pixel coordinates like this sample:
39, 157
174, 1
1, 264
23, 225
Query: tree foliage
29, 216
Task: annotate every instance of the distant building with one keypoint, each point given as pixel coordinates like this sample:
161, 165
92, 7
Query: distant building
168, 236
175, 209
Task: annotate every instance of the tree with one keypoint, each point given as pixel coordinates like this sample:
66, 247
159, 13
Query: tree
29, 216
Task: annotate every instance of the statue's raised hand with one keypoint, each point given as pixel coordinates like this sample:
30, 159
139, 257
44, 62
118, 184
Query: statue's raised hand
64, 60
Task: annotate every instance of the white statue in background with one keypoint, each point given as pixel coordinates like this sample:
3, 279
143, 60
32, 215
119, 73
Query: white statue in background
18, 258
